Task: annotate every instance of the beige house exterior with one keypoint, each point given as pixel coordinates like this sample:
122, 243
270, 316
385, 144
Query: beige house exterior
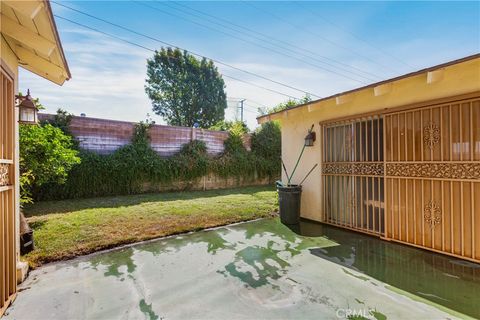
29, 39
399, 159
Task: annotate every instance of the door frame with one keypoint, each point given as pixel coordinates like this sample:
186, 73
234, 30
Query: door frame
357, 168
8, 190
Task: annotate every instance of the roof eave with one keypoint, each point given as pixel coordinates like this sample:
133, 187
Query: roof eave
275, 115
57, 39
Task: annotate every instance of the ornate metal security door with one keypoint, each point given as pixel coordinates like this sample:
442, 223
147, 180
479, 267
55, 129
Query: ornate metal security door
7, 192
353, 174
432, 190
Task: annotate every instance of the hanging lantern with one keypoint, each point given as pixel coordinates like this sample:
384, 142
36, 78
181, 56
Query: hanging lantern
27, 109
310, 138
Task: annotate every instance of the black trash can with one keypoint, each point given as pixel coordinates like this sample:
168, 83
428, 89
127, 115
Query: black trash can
289, 203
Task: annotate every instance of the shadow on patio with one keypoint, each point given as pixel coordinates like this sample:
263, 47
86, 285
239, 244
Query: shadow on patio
259, 269
448, 281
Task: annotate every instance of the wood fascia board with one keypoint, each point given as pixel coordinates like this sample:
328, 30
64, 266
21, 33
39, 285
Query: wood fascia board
60, 80
40, 66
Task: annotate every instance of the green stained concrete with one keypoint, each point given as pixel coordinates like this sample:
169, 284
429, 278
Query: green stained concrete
266, 260
357, 318
213, 240
423, 300
354, 275
115, 262
378, 315
446, 281
260, 259
260, 269
147, 310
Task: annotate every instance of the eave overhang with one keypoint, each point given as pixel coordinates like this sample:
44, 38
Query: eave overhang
382, 90
28, 28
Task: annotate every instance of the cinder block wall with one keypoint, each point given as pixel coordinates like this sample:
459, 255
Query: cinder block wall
104, 136
208, 182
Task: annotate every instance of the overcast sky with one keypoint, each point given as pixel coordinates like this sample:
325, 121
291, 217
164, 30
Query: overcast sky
318, 47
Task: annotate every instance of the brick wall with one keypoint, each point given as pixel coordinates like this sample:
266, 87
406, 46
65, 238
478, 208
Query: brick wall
105, 136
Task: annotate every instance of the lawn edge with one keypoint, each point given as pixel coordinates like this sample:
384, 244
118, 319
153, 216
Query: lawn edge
121, 246
28, 207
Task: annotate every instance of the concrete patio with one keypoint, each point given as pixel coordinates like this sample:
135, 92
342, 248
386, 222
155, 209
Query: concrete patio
253, 270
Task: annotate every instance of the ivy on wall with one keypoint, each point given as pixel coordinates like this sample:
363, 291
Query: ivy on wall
129, 168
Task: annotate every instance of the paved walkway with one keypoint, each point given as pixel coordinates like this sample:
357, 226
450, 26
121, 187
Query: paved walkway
255, 270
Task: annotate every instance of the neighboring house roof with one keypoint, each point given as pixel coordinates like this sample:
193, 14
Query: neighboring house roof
29, 29
432, 74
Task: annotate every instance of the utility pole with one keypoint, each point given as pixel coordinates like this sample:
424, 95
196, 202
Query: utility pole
241, 109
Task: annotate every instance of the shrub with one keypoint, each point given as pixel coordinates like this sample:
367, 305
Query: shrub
234, 143
290, 103
127, 169
192, 160
227, 125
266, 141
46, 157
61, 120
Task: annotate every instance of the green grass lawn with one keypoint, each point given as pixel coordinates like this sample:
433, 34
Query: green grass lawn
68, 228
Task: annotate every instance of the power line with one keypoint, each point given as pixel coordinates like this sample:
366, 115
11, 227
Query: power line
252, 108
316, 34
253, 43
352, 34
250, 100
237, 100
246, 105
266, 38
262, 87
191, 52
295, 56
251, 111
152, 50
255, 108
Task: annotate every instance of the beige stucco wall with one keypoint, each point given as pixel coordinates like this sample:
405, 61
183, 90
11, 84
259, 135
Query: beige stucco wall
450, 81
9, 58
293, 134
